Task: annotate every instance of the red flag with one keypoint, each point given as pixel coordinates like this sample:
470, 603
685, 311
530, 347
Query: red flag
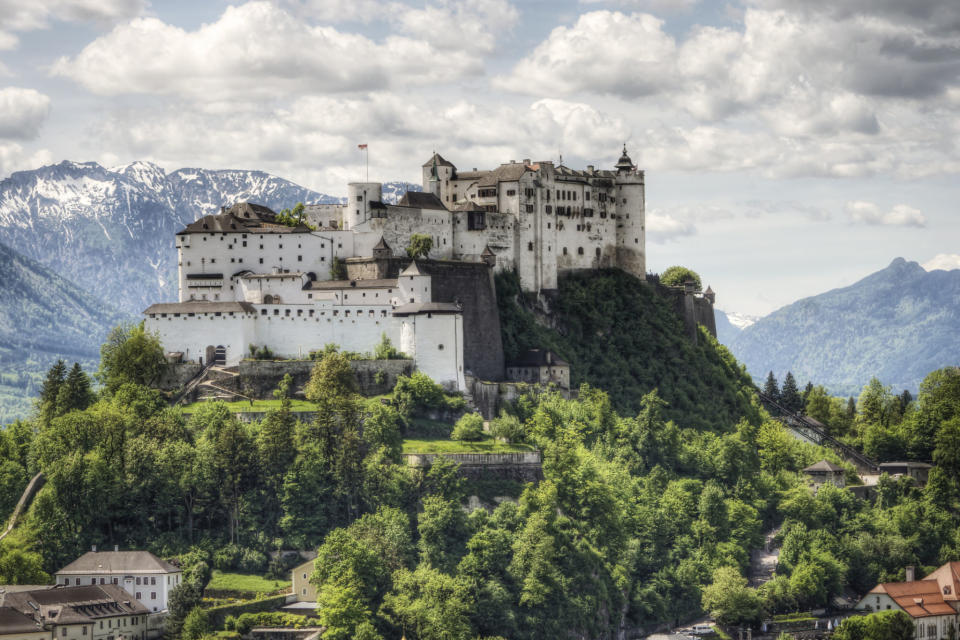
361, 146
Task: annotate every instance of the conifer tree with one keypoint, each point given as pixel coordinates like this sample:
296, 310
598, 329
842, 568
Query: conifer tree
806, 393
74, 393
790, 395
771, 389
50, 390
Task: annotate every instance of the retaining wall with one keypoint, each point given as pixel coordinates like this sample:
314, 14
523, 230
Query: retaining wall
525, 466
261, 377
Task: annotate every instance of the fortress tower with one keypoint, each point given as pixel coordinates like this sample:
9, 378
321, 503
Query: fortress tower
631, 217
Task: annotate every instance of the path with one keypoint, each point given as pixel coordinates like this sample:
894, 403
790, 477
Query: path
35, 484
763, 561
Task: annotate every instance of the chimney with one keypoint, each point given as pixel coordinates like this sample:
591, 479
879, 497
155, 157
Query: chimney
911, 573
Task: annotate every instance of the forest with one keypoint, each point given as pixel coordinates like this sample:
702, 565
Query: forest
653, 494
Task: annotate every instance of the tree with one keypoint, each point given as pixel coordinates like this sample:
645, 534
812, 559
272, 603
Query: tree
47, 402
677, 275
338, 269
729, 600
443, 531
874, 405
386, 351
184, 599
130, 354
420, 246
74, 393
884, 625
430, 605
469, 427
276, 447
507, 427
790, 395
196, 624
771, 389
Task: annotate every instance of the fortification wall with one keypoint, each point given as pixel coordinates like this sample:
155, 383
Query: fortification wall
468, 283
525, 466
177, 375
261, 377
490, 397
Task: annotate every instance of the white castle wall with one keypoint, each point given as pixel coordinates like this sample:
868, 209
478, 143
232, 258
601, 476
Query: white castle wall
435, 341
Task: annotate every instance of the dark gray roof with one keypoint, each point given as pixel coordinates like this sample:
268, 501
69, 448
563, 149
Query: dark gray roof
243, 217
199, 306
12, 621
824, 465
270, 276
77, 605
538, 358
504, 173
97, 562
382, 245
426, 307
372, 283
440, 161
421, 200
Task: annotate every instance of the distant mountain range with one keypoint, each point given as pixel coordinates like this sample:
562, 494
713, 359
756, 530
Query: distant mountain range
112, 230
897, 324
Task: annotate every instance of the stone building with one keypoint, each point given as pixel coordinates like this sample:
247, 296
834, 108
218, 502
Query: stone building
145, 576
824, 472
540, 366
91, 612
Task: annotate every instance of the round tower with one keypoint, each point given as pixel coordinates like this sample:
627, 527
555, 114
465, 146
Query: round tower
631, 217
360, 197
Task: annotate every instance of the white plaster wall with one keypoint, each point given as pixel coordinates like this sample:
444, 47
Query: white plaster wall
415, 289
438, 344
288, 287
354, 328
324, 216
192, 334
165, 583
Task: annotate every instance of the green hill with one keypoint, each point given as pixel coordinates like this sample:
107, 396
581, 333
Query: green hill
622, 336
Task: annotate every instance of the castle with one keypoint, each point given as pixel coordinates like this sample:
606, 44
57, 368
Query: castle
246, 279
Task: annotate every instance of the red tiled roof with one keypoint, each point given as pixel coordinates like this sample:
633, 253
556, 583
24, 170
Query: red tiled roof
920, 598
948, 578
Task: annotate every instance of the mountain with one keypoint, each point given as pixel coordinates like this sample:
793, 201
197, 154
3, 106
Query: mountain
897, 324
111, 230
393, 191
727, 331
43, 317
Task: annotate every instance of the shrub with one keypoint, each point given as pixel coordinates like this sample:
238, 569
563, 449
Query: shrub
469, 427
225, 558
196, 624
676, 275
507, 427
420, 245
386, 351
417, 393
252, 561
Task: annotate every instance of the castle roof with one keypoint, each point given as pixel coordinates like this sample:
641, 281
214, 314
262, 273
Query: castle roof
242, 217
487, 252
509, 172
412, 270
12, 621
77, 605
421, 200
382, 245
426, 307
371, 283
440, 161
97, 562
200, 306
467, 205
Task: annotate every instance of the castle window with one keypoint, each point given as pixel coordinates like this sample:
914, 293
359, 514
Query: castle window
359, 198
511, 192
564, 251
440, 347
548, 225
529, 246
529, 208
299, 258
212, 260
263, 312
286, 313
261, 260
244, 243
636, 241
548, 209
580, 251
276, 312
261, 246
598, 252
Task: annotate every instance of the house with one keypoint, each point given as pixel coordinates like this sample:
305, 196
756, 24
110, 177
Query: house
919, 471
540, 366
143, 575
824, 472
89, 612
303, 589
18, 626
931, 603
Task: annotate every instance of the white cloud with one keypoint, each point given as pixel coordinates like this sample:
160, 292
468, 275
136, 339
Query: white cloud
22, 113
944, 261
457, 25
29, 15
648, 5
332, 11
13, 157
604, 52
664, 226
870, 213
254, 50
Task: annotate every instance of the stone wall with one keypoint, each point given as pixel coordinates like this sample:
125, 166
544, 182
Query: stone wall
490, 397
693, 309
525, 466
177, 375
261, 377
468, 283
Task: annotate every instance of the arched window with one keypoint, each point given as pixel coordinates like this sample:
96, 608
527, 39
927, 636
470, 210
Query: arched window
579, 251
598, 252
268, 299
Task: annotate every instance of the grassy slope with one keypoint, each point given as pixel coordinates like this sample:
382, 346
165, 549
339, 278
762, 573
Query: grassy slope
245, 583
619, 335
444, 445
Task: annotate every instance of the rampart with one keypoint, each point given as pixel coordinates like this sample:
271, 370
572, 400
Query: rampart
489, 397
526, 466
261, 377
468, 283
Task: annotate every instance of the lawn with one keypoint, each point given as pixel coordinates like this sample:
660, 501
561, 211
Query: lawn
244, 406
445, 445
247, 583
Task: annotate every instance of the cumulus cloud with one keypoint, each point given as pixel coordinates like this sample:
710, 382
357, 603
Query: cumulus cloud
901, 215
13, 157
648, 5
457, 25
604, 52
256, 49
944, 261
29, 15
22, 113
664, 226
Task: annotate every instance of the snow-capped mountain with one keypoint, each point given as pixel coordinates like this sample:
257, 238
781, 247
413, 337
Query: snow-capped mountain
393, 191
112, 230
740, 320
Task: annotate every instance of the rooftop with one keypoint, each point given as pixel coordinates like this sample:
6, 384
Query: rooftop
77, 605
331, 285
920, 598
97, 562
426, 307
12, 621
824, 465
198, 306
538, 358
421, 200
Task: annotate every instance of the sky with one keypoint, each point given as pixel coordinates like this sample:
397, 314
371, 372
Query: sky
790, 146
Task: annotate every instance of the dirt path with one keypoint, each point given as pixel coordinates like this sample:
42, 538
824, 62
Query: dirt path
763, 561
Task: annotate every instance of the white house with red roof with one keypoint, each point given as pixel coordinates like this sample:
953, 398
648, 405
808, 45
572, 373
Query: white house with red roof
932, 603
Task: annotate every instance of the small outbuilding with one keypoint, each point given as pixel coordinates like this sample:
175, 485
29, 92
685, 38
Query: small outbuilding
919, 471
823, 472
539, 366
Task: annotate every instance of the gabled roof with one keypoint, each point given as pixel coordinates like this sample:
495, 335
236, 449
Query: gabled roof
12, 621
948, 578
243, 217
920, 598
382, 245
421, 200
504, 173
77, 605
824, 465
104, 562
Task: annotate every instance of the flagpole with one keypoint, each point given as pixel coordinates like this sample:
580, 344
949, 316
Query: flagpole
366, 153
